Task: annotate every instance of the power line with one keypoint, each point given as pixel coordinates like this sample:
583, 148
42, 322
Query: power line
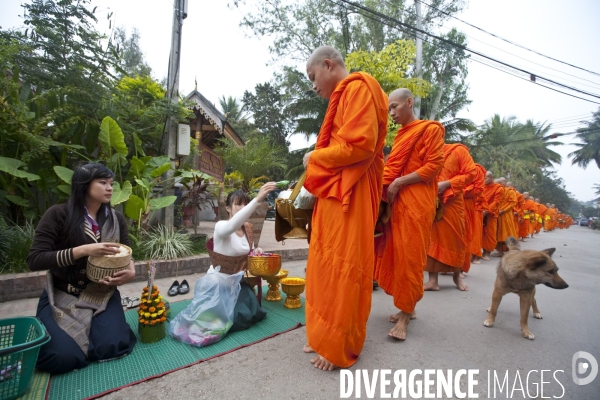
532, 77
506, 40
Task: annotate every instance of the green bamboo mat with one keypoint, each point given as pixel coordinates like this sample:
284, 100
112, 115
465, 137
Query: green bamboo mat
152, 360
38, 386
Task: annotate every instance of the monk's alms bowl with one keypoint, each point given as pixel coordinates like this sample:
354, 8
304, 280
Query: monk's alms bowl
264, 266
293, 288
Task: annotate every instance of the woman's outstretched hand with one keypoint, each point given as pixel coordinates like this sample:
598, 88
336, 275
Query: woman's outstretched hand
264, 190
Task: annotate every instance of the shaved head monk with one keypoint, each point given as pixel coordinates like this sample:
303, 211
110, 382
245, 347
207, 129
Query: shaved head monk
448, 247
474, 204
506, 223
410, 190
344, 172
517, 210
529, 207
492, 192
541, 215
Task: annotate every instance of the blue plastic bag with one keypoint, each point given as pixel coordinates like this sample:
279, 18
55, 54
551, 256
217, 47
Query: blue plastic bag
209, 316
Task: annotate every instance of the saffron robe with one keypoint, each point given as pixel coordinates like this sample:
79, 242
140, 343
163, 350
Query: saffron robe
518, 214
542, 210
344, 172
493, 194
550, 221
448, 244
533, 217
401, 253
481, 205
506, 225
528, 214
473, 217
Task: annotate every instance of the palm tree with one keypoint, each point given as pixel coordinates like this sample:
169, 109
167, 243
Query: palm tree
589, 149
508, 147
232, 110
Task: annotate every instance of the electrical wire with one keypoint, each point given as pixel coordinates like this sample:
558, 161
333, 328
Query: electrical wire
413, 30
506, 40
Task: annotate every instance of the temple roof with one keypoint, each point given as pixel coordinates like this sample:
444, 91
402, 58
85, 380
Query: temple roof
214, 116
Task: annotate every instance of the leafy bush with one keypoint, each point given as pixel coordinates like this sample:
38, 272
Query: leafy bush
164, 243
15, 242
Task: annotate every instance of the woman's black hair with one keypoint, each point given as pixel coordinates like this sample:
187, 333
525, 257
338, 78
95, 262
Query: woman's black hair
80, 184
237, 197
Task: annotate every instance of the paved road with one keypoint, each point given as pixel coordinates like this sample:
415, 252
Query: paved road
448, 334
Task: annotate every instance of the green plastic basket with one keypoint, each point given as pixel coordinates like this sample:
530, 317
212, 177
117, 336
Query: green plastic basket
20, 341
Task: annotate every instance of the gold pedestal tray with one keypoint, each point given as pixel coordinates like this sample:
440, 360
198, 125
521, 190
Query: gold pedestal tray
274, 294
293, 287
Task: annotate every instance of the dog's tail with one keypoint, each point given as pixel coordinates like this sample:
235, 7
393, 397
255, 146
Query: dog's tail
512, 243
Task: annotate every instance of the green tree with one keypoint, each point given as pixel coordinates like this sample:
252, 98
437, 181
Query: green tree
266, 107
132, 58
589, 148
550, 189
237, 117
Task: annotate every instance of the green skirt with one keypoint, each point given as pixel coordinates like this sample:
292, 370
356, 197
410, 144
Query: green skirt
247, 311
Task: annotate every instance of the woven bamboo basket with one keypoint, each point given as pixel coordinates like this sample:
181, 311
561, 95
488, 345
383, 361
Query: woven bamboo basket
99, 267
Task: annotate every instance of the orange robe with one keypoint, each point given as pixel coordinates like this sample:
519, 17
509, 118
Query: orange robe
481, 205
568, 222
493, 194
402, 251
473, 217
344, 172
518, 214
550, 222
533, 217
541, 221
506, 226
448, 244
528, 214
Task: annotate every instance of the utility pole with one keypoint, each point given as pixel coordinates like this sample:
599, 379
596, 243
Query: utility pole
179, 14
419, 60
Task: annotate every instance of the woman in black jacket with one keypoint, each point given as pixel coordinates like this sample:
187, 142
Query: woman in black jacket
85, 319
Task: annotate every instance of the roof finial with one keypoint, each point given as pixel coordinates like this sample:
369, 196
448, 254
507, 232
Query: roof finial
196, 81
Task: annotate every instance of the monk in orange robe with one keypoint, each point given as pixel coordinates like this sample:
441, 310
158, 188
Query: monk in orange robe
568, 222
448, 246
550, 222
505, 218
481, 208
542, 209
533, 215
493, 193
410, 189
344, 172
528, 213
516, 211
473, 218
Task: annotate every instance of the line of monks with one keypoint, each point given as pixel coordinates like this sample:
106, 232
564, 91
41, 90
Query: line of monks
430, 206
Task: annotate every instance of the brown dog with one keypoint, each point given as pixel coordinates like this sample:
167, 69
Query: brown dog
519, 272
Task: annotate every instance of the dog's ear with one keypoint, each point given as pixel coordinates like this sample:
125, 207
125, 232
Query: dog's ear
537, 261
549, 251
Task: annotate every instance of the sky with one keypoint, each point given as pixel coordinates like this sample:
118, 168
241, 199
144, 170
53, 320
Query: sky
227, 60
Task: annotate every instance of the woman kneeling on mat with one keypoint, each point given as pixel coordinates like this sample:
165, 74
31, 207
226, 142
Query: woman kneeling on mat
231, 244
84, 319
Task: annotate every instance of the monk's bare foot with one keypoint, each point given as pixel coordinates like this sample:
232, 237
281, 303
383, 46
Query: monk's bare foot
486, 258
432, 286
462, 275
477, 260
458, 280
322, 364
497, 254
395, 317
307, 349
399, 330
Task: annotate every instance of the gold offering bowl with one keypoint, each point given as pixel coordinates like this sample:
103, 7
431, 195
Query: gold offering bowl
264, 266
293, 287
274, 294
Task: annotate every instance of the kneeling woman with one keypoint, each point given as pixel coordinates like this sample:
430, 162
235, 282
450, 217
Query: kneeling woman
85, 319
232, 242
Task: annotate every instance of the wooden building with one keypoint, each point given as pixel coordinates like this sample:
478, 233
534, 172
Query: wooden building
208, 127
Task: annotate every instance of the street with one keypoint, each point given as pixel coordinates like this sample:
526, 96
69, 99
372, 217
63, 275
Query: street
448, 334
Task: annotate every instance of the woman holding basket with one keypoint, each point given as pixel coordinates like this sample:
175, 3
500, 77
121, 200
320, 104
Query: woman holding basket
85, 319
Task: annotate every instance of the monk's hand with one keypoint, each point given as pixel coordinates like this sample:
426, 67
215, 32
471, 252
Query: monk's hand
442, 186
306, 158
393, 189
121, 277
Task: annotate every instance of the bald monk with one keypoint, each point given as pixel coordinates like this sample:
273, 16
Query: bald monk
493, 193
344, 172
517, 210
473, 218
448, 247
541, 215
410, 188
528, 215
505, 218
550, 217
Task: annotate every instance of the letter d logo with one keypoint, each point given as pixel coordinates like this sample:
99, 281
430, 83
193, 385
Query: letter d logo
582, 368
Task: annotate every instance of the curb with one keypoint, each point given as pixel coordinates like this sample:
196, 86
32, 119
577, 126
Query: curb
31, 284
